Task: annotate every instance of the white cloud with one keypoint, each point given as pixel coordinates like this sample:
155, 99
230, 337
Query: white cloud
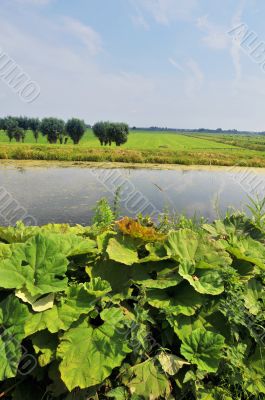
175, 64
195, 78
235, 49
71, 82
215, 36
139, 20
165, 11
88, 36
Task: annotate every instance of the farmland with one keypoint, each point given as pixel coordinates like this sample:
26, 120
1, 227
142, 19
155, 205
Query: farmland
143, 140
145, 147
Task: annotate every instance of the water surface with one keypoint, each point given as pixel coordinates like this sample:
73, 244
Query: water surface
59, 194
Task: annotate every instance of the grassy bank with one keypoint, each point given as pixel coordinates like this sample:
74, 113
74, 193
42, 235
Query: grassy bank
145, 147
227, 157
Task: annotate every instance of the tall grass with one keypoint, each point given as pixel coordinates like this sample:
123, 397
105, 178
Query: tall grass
81, 153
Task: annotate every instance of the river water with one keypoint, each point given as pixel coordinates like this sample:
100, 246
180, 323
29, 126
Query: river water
40, 195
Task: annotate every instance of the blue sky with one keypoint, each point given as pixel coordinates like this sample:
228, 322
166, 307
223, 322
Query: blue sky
148, 62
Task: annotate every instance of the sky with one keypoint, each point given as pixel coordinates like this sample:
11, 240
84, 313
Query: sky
167, 63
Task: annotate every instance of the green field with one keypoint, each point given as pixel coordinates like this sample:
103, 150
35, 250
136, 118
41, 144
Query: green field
145, 147
141, 140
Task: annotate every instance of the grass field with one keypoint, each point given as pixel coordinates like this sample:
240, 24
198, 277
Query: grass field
145, 147
140, 140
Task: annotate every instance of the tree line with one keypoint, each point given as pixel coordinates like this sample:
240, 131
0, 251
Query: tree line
56, 129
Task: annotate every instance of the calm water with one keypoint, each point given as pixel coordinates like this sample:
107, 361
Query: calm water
43, 195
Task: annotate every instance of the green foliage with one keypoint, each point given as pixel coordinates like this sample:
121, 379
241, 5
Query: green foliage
53, 128
103, 216
10, 125
34, 125
108, 132
75, 129
124, 311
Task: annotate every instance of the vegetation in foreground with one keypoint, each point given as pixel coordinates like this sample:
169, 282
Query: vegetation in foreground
130, 310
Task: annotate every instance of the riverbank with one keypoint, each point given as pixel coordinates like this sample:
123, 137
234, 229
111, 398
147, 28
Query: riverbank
213, 157
28, 164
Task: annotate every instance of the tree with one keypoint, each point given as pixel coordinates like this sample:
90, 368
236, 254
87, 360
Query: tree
19, 134
118, 133
23, 124
108, 132
101, 131
75, 128
34, 125
11, 126
53, 128
2, 124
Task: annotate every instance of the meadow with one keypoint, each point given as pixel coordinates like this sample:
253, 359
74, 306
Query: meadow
145, 147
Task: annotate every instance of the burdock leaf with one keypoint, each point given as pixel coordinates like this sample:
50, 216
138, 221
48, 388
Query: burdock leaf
123, 250
78, 300
13, 316
205, 281
182, 300
147, 381
89, 354
204, 349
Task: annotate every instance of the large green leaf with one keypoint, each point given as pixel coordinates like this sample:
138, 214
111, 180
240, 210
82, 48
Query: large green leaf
37, 265
13, 316
204, 349
181, 300
123, 250
254, 295
45, 345
118, 275
186, 245
119, 393
213, 394
90, 354
157, 275
182, 244
161, 274
40, 264
204, 280
184, 325
248, 249
78, 300
157, 252
72, 245
257, 360
147, 381
254, 377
